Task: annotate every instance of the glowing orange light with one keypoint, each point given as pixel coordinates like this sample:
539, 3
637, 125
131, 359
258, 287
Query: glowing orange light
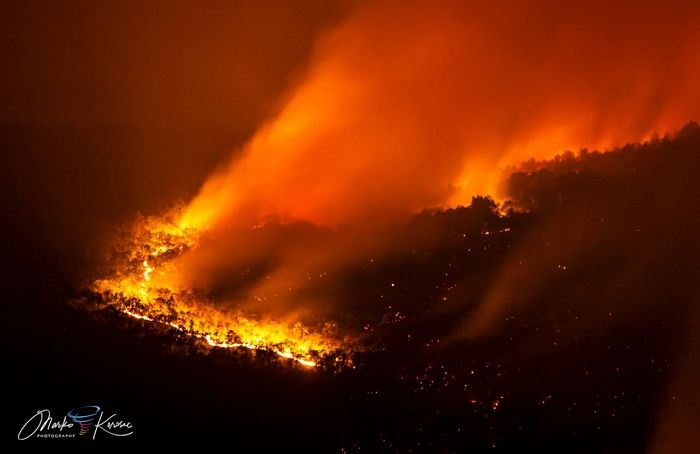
134, 292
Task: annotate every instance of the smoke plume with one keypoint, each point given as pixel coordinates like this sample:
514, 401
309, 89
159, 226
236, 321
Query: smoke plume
414, 104
408, 105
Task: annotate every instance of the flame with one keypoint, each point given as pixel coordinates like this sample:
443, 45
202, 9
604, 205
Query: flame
139, 289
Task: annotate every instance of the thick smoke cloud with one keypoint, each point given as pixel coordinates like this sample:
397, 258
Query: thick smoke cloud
414, 104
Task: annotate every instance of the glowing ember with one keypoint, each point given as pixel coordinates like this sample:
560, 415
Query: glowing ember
141, 288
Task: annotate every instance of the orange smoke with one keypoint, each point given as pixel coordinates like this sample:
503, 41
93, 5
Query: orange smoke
408, 105
415, 104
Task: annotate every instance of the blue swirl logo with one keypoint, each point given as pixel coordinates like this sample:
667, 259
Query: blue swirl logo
84, 417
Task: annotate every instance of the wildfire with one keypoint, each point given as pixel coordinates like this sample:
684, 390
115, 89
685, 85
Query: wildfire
142, 288
399, 110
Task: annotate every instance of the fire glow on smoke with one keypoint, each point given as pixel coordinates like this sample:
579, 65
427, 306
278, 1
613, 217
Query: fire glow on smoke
401, 109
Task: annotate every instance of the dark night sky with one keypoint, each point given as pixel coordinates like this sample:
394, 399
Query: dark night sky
154, 64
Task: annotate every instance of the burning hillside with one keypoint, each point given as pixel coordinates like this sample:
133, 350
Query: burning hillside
470, 303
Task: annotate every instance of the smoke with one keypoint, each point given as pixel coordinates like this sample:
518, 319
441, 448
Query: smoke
411, 105
610, 255
414, 104
609, 228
